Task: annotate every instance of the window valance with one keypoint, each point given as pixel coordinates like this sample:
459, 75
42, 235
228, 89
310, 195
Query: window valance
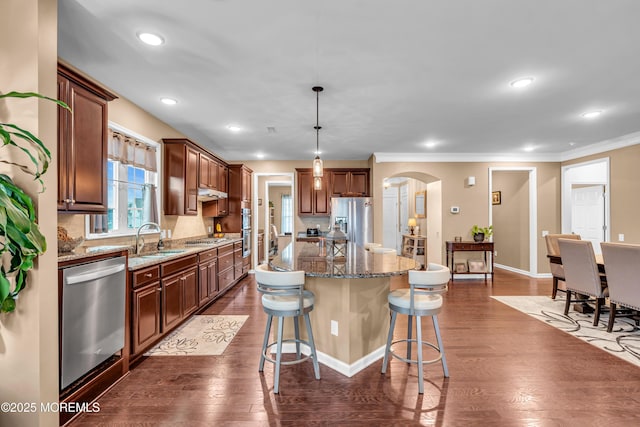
130, 151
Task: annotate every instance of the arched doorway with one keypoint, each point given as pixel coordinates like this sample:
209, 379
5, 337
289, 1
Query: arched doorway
399, 204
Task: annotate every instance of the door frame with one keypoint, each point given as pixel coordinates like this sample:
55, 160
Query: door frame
533, 210
565, 194
265, 205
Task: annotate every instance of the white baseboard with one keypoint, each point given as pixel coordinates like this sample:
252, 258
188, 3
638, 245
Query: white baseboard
345, 369
524, 272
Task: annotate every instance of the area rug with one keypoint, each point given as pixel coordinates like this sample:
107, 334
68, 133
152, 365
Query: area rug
623, 341
205, 335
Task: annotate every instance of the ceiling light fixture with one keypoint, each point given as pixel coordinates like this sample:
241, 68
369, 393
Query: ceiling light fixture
317, 162
522, 82
430, 144
529, 148
592, 114
234, 128
168, 101
151, 39
260, 155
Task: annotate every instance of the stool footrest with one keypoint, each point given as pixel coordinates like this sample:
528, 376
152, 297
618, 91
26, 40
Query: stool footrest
424, 362
268, 358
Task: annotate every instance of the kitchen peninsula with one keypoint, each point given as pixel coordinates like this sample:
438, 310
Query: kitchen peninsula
350, 319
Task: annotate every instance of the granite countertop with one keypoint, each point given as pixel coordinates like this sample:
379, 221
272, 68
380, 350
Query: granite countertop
136, 262
358, 264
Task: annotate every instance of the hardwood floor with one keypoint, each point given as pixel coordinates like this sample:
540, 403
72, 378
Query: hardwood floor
507, 369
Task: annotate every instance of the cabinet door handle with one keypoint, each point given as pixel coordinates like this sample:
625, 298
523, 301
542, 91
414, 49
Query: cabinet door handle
159, 289
67, 200
148, 275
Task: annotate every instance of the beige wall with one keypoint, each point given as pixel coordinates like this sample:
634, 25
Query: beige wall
624, 190
29, 336
473, 201
511, 219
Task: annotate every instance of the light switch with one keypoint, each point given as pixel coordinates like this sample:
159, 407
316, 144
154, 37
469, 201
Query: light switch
620, 237
545, 232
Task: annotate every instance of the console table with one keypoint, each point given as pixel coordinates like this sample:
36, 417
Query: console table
485, 247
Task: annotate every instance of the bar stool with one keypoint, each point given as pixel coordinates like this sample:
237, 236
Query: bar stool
283, 295
370, 245
423, 298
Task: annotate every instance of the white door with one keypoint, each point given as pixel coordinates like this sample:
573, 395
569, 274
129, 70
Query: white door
390, 217
587, 214
404, 215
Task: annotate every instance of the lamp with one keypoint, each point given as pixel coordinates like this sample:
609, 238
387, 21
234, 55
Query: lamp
317, 162
412, 224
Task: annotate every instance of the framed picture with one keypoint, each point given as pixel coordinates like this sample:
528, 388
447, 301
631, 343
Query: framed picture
496, 197
460, 267
476, 266
421, 204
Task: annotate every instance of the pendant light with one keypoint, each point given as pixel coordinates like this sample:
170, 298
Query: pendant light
317, 162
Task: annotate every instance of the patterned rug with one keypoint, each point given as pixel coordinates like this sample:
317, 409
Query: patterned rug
623, 341
205, 335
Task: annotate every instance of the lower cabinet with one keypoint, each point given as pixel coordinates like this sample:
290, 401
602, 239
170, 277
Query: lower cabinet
165, 295
146, 316
207, 276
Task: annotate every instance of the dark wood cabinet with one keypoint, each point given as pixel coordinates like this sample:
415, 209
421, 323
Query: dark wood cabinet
207, 276
239, 197
207, 172
349, 183
223, 177
146, 316
189, 292
220, 207
312, 202
171, 302
181, 161
82, 144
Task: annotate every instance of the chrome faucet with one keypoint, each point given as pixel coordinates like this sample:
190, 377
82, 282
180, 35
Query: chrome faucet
140, 245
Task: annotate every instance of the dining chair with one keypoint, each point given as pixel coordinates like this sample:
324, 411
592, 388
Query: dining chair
423, 298
283, 295
622, 265
582, 275
555, 261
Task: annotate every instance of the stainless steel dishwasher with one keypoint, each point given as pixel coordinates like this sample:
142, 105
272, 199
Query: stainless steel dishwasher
93, 316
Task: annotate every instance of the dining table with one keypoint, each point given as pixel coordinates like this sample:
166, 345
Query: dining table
581, 307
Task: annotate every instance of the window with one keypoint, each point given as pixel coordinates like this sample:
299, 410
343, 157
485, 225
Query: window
131, 188
287, 214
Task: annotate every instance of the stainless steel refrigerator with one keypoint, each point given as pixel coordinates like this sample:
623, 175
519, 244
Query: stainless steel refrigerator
354, 215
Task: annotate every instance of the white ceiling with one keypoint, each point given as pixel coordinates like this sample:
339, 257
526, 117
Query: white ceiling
396, 73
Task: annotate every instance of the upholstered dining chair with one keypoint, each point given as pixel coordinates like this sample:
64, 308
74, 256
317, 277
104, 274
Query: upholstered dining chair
555, 262
381, 250
582, 275
622, 264
283, 295
423, 298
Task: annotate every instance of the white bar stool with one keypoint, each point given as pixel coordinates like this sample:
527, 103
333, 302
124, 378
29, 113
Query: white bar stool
283, 295
370, 245
423, 298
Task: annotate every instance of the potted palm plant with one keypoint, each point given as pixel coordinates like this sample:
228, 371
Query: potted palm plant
20, 238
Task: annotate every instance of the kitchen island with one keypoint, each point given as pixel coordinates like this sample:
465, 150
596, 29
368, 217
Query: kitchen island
350, 318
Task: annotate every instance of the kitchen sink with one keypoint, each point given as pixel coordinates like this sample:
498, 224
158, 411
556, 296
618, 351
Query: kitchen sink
163, 254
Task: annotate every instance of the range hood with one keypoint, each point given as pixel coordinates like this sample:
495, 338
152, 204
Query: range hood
206, 194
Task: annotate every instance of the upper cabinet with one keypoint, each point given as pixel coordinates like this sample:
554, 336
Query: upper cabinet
335, 183
82, 144
312, 202
239, 198
350, 182
181, 161
208, 172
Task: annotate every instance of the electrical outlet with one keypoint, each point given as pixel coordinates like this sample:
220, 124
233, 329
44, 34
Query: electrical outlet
334, 328
495, 253
620, 237
169, 233
210, 229
544, 233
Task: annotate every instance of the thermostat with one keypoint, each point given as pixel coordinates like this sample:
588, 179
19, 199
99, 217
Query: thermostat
455, 209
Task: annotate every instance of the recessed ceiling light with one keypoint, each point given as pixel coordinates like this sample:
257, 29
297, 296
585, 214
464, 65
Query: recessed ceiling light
430, 144
572, 143
522, 82
592, 114
260, 155
529, 148
151, 39
168, 101
234, 128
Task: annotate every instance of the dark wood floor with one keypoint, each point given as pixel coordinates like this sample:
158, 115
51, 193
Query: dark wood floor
507, 369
